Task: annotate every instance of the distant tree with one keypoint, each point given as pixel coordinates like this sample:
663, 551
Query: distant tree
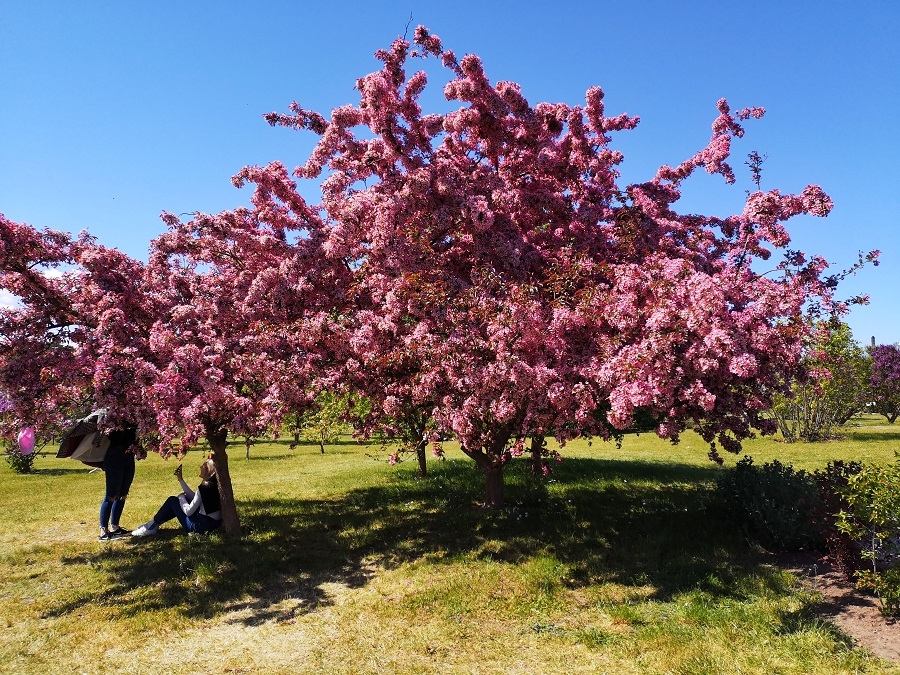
849, 366
833, 389
293, 424
248, 442
325, 420
381, 366
412, 430
884, 382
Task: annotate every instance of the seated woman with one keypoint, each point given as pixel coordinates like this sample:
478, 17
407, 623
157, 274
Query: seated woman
198, 511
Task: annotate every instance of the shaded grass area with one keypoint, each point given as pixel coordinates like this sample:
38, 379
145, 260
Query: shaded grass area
613, 521
351, 566
868, 437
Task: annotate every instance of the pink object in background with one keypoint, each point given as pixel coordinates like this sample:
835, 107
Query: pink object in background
26, 440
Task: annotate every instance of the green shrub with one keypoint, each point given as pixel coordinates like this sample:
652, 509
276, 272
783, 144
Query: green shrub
774, 503
886, 585
872, 518
19, 461
843, 550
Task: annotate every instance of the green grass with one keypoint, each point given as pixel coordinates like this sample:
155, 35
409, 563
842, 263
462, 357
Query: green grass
351, 566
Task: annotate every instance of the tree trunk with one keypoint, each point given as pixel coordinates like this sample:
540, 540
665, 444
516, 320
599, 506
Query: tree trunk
248, 444
491, 460
493, 486
492, 468
420, 457
537, 447
217, 439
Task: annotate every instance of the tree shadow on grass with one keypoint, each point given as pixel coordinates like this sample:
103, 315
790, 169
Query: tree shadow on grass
60, 472
262, 457
809, 614
634, 523
873, 436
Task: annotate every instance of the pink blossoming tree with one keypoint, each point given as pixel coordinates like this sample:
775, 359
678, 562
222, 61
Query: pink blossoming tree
481, 267
510, 282
884, 382
174, 346
69, 341
244, 295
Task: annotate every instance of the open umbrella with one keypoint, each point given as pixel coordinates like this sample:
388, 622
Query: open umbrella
85, 441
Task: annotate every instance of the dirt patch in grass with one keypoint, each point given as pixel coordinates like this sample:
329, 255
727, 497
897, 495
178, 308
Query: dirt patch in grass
856, 613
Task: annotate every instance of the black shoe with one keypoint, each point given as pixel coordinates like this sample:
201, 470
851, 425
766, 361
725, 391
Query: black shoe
106, 536
119, 533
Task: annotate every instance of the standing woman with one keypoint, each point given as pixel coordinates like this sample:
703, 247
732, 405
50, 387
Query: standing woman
198, 511
118, 466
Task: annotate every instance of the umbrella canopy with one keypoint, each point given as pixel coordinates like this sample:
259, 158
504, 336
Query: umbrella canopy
92, 449
85, 440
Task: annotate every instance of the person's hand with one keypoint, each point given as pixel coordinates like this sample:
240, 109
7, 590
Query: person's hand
178, 471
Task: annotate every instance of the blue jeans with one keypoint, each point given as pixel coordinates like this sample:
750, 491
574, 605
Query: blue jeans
118, 467
198, 522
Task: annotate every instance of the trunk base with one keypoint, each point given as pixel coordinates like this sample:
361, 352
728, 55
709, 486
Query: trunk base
420, 459
493, 487
217, 439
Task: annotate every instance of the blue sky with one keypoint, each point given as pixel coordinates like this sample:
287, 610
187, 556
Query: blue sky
113, 112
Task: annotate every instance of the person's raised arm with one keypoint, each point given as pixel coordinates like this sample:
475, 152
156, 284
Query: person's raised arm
185, 488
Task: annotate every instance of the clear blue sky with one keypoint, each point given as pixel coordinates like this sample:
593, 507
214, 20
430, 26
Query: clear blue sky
111, 112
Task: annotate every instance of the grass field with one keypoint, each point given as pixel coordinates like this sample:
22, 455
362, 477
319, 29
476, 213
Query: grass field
614, 565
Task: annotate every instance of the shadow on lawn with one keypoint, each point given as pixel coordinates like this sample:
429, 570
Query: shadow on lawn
634, 523
874, 436
60, 472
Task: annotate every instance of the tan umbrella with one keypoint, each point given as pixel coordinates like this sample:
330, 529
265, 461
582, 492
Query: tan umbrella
85, 441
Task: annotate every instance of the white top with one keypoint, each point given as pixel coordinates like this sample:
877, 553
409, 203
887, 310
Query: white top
191, 503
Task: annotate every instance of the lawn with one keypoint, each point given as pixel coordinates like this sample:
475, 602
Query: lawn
615, 564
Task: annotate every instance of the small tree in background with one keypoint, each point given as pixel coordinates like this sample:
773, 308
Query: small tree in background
847, 389
20, 453
884, 382
293, 424
834, 389
410, 431
325, 419
248, 442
